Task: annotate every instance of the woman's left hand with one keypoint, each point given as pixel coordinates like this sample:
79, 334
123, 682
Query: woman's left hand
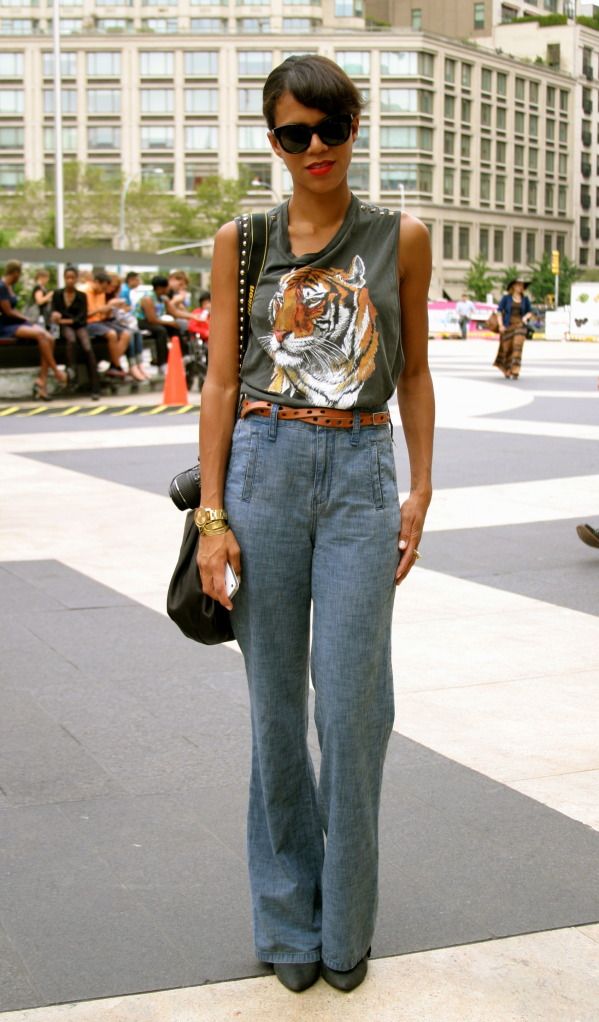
413, 513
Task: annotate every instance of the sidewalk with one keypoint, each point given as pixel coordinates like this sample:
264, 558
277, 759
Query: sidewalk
124, 748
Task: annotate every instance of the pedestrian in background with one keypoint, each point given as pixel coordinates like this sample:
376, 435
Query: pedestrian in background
465, 311
514, 312
299, 495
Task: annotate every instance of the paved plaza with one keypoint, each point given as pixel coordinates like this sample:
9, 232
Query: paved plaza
124, 748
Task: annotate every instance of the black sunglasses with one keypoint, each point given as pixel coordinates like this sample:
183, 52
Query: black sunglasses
296, 138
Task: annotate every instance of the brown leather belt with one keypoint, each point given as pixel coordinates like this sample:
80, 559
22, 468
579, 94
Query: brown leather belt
337, 418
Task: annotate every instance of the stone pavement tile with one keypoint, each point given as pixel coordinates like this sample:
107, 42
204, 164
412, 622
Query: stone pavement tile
41, 842
576, 795
546, 977
16, 985
87, 937
46, 764
61, 585
21, 709
592, 932
18, 597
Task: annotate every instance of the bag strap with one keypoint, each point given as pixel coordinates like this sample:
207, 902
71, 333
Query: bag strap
253, 230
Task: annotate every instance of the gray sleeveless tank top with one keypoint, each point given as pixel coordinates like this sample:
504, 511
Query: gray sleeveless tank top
325, 327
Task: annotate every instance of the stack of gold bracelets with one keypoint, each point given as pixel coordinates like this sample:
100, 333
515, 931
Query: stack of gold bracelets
211, 521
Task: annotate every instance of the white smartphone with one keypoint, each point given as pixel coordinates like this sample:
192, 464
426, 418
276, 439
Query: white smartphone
231, 581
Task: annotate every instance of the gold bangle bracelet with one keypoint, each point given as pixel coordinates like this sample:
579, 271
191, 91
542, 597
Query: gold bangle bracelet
214, 529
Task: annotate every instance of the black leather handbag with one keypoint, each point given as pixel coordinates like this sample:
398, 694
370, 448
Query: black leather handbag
199, 616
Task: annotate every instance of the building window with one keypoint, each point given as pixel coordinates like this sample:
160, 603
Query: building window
448, 241
251, 136
485, 115
498, 246
397, 137
500, 190
563, 132
517, 247
413, 177
450, 71
448, 143
103, 101
466, 76
519, 89
156, 64
406, 64
196, 173
363, 139
561, 199
500, 149
261, 175
416, 18
485, 189
399, 101
114, 24
448, 183
485, 150
501, 83
479, 16
466, 111
550, 129
562, 164
201, 101
533, 158
11, 138
531, 246
359, 177
354, 62
501, 116
157, 101
11, 176
583, 256
157, 136
68, 65
547, 242
11, 64
533, 126
486, 80
254, 62
68, 98
103, 65
201, 136
518, 156
563, 100
198, 63
262, 25
533, 93
483, 242
532, 196
104, 136
465, 147
550, 162
344, 8
160, 176
519, 122
12, 100
464, 243
161, 25
449, 108
549, 198
69, 140
550, 102
208, 26
518, 193
465, 187
249, 101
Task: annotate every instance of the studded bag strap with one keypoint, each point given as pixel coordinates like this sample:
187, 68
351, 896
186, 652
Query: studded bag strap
253, 244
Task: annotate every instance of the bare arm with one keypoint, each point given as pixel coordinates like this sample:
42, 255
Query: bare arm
8, 310
415, 388
219, 404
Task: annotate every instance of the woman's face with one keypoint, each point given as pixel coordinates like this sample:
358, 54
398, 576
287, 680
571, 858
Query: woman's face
518, 288
320, 168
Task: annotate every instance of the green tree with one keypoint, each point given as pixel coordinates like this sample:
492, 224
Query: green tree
479, 280
216, 201
542, 280
508, 273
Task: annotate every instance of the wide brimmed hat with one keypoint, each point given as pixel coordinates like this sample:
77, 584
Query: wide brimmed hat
511, 283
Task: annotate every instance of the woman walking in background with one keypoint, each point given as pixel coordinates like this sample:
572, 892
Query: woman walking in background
514, 312
299, 495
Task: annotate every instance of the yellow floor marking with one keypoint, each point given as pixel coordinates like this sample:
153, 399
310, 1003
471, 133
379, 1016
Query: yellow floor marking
127, 410
67, 411
183, 408
156, 410
11, 410
96, 411
34, 411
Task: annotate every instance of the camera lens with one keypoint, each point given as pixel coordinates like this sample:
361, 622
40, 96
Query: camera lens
184, 489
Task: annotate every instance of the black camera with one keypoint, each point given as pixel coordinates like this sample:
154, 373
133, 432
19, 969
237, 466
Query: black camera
184, 490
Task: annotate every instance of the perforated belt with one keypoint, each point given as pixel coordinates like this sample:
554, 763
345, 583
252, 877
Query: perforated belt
337, 418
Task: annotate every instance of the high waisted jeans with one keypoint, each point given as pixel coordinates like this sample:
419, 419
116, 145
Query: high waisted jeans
316, 514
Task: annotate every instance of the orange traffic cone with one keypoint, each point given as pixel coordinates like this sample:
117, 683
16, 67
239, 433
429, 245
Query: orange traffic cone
175, 385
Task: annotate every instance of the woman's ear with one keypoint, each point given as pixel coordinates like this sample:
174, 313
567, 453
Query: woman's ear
274, 144
355, 124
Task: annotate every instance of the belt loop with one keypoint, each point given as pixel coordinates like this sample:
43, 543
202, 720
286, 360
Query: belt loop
272, 426
355, 430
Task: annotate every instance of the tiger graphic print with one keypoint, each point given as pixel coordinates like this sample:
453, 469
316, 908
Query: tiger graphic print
324, 339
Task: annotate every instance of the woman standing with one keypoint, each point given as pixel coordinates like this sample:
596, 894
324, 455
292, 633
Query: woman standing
15, 326
514, 311
300, 496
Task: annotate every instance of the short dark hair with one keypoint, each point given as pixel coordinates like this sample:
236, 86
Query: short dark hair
315, 82
101, 277
159, 281
204, 296
69, 268
131, 275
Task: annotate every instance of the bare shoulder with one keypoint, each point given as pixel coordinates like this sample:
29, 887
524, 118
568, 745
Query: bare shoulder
226, 237
414, 249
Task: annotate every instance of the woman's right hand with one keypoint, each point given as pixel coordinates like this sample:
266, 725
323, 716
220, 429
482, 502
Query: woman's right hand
213, 554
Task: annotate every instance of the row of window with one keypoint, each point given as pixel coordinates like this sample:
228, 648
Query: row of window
492, 81
162, 26
457, 242
343, 8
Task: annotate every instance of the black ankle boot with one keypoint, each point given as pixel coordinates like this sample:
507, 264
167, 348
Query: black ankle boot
297, 976
349, 980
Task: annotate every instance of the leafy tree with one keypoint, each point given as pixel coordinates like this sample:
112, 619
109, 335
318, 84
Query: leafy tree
479, 280
216, 201
507, 274
25, 214
542, 280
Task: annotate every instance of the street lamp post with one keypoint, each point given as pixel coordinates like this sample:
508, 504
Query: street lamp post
58, 154
256, 182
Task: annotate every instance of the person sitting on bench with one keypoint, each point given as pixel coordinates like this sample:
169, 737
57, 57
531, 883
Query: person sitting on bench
69, 311
151, 314
101, 322
15, 327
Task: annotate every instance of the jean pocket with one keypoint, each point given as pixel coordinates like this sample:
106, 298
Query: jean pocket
375, 476
250, 468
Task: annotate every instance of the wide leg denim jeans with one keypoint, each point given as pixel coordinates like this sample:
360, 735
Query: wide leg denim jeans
316, 514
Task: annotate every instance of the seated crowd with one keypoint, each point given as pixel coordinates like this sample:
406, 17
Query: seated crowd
99, 304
